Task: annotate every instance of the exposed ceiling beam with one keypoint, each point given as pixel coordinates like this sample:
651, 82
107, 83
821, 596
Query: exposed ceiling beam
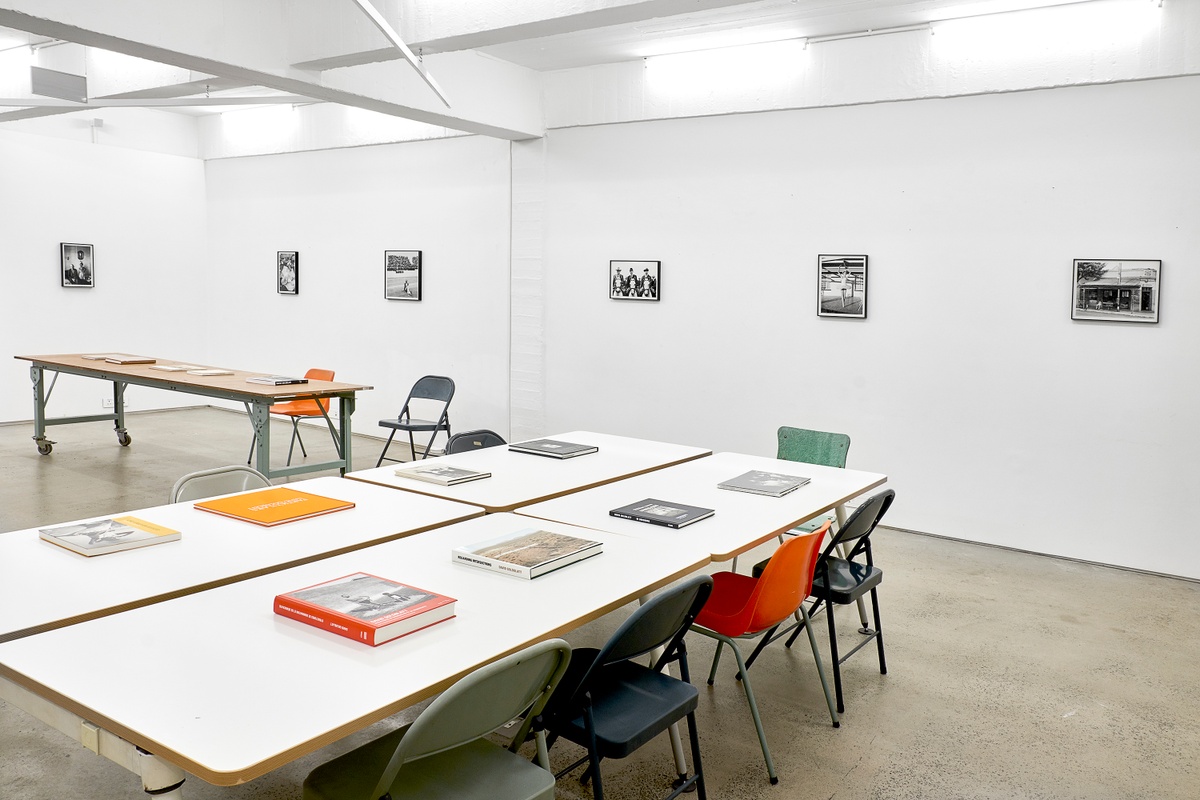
164, 102
379, 22
225, 38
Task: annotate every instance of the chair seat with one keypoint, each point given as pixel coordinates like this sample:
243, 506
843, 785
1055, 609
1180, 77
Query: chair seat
631, 704
297, 408
729, 596
411, 424
848, 580
478, 770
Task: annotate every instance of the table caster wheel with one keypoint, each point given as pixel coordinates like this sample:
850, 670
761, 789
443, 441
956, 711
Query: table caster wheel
123, 438
45, 448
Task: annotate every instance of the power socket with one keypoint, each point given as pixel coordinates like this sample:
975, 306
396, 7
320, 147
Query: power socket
107, 402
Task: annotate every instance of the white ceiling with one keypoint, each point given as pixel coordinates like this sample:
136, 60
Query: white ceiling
557, 40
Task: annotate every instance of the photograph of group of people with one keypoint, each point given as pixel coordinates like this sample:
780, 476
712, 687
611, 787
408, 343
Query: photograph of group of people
633, 280
78, 268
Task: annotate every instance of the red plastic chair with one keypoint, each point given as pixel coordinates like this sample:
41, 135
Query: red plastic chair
742, 607
297, 410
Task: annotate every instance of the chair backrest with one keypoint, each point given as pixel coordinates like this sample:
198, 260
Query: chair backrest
481, 702
430, 387
221, 480
661, 622
861, 523
813, 447
473, 440
320, 375
784, 584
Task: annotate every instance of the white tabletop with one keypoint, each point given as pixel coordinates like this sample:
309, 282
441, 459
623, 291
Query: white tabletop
218, 684
44, 586
741, 521
520, 479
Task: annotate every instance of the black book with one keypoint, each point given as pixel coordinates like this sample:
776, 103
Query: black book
657, 512
757, 481
276, 380
553, 448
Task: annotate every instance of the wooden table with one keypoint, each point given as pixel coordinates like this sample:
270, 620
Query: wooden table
257, 398
216, 684
519, 479
44, 586
742, 521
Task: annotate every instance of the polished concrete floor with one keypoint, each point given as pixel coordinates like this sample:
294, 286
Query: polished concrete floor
1009, 675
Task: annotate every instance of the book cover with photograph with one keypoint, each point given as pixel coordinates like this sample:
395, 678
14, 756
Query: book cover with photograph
441, 474
365, 607
527, 553
657, 512
108, 535
553, 448
757, 481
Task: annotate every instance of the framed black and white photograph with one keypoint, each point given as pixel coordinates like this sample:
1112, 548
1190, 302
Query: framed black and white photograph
634, 280
287, 272
842, 286
402, 274
1116, 290
78, 266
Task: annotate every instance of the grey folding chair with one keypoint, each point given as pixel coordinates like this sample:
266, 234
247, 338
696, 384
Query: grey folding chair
433, 388
221, 480
473, 440
443, 753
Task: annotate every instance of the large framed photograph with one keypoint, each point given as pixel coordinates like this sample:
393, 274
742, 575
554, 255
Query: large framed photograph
402, 274
77, 265
1118, 290
287, 272
842, 286
634, 280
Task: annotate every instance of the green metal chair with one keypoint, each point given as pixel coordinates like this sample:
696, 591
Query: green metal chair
443, 754
813, 447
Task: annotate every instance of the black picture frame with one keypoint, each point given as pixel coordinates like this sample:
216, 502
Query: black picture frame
402, 274
642, 281
287, 272
77, 265
842, 286
1116, 289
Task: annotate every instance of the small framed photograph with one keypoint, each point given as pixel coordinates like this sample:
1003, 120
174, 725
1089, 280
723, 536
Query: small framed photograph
402, 274
842, 286
634, 280
1117, 290
78, 265
287, 272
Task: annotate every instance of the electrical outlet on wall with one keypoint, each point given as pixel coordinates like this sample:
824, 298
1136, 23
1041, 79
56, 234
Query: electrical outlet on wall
107, 402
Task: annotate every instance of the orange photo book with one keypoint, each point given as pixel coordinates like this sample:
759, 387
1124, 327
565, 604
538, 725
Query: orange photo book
274, 506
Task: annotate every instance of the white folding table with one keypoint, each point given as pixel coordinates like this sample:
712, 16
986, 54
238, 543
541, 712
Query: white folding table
44, 586
216, 684
520, 479
742, 520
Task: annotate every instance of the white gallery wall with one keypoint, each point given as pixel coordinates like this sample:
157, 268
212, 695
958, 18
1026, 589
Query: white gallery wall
997, 417
340, 210
144, 214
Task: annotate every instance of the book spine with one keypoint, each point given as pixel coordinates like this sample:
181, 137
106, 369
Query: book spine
492, 564
651, 521
318, 618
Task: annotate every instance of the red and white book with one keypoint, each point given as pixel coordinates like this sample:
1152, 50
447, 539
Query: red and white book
366, 608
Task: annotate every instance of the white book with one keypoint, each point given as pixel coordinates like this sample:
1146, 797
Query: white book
108, 535
209, 372
441, 474
527, 553
175, 367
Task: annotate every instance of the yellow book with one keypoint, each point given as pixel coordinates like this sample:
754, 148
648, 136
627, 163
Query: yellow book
108, 535
274, 506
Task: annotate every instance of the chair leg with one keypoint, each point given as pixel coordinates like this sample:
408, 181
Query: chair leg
594, 758
878, 632
762, 736
816, 651
385, 447
292, 444
833, 654
762, 643
712, 673
412, 448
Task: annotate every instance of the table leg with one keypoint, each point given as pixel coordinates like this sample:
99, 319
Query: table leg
123, 437
38, 376
260, 418
345, 411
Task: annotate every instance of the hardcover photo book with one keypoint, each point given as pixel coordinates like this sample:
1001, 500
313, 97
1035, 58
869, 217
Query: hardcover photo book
553, 448
274, 506
442, 475
108, 535
527, 553
657, 512
275, 380
757, 481
366, 608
